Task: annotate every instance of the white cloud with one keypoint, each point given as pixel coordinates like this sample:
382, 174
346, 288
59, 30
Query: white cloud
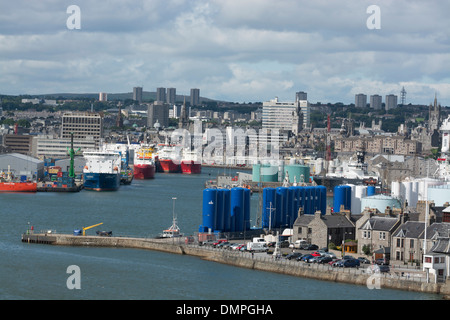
246, 50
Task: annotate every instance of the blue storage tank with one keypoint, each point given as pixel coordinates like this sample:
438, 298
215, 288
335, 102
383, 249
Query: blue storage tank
226, 210
219, 216
268, 207
281, 206
209, 208
237, 210
321, 192
342, 196
300, 200
247, 209
370, 191
292, 205
308, 204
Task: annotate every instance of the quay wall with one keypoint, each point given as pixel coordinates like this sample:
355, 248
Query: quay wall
240, 260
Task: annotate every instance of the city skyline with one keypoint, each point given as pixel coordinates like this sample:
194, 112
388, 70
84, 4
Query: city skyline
243, 51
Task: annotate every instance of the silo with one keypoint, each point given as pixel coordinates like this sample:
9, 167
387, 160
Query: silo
300, 200
209, 208
439, 194
321, 195
298, 173
268, 209
380, 202
396, 189
370, 191
358, 192
342, 196
309, 193
264, 173
256, 173
237, 210
226, 210
281, 206
247, 196
292, 206
219, 217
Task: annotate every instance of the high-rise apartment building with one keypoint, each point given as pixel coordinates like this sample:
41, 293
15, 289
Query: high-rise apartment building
102, 96
83, 125
195, 97
391, 102
171, 95
360, 100
137, 94
375, 102
161, 94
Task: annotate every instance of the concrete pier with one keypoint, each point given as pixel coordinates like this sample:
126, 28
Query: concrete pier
245, 260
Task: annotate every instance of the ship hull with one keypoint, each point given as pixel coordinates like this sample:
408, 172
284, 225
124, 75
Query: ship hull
101, 181
18, 186
144, 171
168, 166
190, 167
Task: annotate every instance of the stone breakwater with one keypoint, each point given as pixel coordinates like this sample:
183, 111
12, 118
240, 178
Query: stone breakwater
246, 260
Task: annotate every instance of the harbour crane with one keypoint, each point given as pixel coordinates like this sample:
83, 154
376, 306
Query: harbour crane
87, 228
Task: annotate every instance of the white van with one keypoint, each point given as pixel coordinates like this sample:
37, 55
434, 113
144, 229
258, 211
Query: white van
256, 247
299, 243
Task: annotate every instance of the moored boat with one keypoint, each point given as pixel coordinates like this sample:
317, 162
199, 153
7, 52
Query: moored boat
8, 183
102, 170
144, 166
190, 163
168, 159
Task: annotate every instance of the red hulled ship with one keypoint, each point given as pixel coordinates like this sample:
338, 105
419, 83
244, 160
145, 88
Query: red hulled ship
144, 166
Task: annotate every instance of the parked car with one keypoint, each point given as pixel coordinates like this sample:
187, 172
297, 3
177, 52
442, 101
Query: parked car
314, 259
335, 262
284, 244
293, 255
348, 263
271, 244
331, 255
316, 254
348, 257
324, 259
223, 244
363, 260
383, 268
208, 243
215, 244
310, 247
306, 257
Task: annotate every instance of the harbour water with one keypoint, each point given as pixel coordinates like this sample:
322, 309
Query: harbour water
142, 209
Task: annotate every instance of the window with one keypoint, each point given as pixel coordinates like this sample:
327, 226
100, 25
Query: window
428, 259
411, 243
382, 235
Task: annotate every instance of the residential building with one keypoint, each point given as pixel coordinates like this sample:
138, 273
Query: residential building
407, 242
375, 102
137, 94
102, 96
195, 97
323, 229
171, 95
161, 94
360, 100
375, 232
390, 102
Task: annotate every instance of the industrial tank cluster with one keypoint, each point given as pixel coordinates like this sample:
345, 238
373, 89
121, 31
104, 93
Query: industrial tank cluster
281, 205
274, 173
226, 210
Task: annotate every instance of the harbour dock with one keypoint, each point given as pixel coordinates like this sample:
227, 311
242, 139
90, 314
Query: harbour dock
261, 262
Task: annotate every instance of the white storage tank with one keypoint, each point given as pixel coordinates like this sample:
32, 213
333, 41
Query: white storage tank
380, 202
439, 194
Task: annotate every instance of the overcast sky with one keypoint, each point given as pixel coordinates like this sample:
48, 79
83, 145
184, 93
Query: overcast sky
233, 50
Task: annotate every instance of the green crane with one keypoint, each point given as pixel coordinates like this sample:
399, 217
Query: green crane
72, 153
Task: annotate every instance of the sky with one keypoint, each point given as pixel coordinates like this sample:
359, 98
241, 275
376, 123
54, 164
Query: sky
232, 50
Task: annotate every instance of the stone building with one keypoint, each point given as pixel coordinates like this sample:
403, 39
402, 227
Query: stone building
321, 229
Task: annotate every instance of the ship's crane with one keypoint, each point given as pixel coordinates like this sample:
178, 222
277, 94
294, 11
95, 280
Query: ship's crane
87, 228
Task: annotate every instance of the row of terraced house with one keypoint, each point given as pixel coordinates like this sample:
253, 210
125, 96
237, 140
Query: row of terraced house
396, 236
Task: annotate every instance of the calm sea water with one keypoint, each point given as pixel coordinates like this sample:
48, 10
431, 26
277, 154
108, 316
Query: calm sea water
33, 271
